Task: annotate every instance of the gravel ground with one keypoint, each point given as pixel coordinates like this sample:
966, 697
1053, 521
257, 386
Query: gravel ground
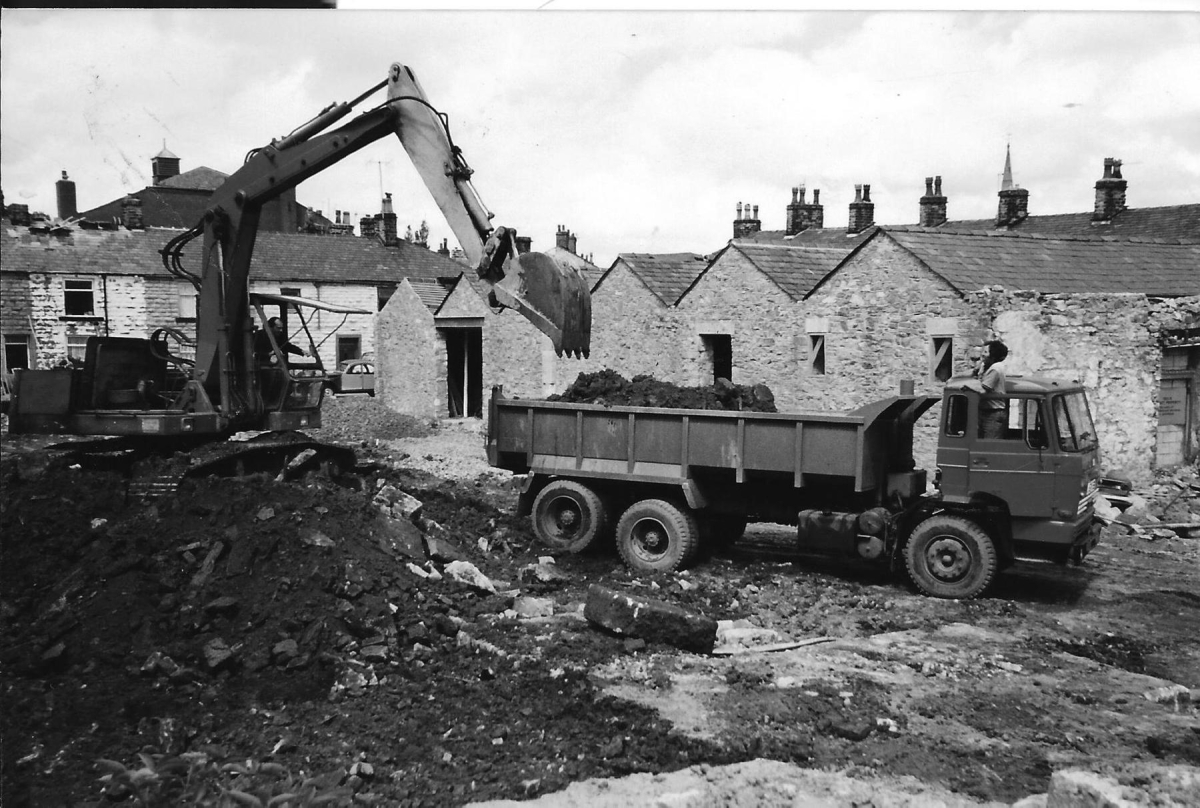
297, 632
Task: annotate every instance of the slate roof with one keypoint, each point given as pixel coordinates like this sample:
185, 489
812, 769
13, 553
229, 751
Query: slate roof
1173, 222
832, 237
432, 293
972, 260
277, 256
666, 275
201, 178
795, 269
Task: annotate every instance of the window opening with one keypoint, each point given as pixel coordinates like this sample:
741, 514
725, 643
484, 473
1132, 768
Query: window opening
956, 416
77, 347
719, 348
348, 347
16, 352
79, 298
941, 358
816, 354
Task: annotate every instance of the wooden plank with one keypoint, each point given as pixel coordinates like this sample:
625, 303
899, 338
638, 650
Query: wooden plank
683, 452
630, 442
798, 474
741, 450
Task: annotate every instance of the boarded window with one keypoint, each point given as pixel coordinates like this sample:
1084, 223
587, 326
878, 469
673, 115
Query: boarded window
79, 299
941, 358
816, 354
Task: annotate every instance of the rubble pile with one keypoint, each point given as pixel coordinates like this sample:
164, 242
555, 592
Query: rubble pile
611, 388
251, 618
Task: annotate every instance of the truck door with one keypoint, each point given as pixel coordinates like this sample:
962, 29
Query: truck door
1016, 466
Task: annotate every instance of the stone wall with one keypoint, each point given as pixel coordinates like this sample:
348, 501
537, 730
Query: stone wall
407, 357
1112, 343
15, 307
883, 311
633, 333
765, 324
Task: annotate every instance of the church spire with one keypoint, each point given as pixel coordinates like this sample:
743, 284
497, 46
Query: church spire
1006, 182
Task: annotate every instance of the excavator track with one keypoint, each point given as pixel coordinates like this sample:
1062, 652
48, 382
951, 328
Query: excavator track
155, 470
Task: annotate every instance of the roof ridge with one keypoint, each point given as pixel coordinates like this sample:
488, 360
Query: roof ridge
1097, 238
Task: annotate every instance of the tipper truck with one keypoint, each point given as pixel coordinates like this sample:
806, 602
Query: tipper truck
672, 484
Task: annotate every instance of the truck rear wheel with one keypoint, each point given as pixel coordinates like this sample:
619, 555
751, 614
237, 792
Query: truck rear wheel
569, 516
950, 557
654, 535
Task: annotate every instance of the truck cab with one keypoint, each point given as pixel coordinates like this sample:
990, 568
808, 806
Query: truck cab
1039, 476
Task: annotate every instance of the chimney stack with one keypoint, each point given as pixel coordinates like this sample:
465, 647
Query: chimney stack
390, 236
746, 224
65, 190
1110, 192
524, 244
444, 249
801, 215
164, 165
565, 239
933, 204
131, 213
862, 210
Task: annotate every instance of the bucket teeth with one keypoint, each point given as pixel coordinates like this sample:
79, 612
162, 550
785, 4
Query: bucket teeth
554, 298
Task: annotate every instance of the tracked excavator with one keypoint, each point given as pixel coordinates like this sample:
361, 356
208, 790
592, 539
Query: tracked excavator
141, 398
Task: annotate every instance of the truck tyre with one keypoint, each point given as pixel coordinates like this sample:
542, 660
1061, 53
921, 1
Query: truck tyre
950, 557
657, 536
569, 516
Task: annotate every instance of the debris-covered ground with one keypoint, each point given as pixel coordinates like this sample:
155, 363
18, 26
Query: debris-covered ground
394, 638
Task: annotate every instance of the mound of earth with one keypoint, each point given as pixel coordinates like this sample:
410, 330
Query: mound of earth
611, 388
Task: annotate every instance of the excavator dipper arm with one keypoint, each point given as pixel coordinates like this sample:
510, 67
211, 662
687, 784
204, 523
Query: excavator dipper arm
554, 298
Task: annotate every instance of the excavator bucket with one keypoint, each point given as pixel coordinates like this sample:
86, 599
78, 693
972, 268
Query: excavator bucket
553, 297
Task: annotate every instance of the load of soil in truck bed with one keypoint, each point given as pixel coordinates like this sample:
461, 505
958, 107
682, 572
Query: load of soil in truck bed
611, 388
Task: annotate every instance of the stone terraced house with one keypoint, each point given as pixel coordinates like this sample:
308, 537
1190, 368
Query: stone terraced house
830, 318
59, 288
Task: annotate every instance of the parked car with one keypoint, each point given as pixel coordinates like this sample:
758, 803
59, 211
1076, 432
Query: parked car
354, 376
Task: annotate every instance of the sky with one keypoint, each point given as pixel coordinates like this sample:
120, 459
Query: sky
638, 131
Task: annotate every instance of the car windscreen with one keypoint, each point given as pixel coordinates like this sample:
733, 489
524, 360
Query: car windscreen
1076, 432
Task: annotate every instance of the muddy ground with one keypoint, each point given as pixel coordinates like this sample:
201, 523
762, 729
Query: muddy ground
261, 637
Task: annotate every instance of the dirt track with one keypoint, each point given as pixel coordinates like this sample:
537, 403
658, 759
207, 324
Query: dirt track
281, 622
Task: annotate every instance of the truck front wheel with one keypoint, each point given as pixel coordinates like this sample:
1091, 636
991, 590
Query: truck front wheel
657, 536
569, 516
950, 557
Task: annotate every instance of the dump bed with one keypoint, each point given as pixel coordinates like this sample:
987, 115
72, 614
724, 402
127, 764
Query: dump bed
650, 444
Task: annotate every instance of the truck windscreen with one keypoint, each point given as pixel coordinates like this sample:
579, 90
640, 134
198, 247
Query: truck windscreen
1076, 432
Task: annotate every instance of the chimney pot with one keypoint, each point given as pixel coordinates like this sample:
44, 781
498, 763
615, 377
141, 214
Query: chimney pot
816, 196
795, 193
929, 186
